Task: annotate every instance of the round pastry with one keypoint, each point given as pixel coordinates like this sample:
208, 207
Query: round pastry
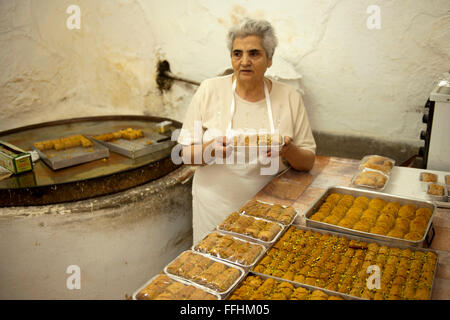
377, 204
424, 212
396, 233
362, 226
361, 202
354, 212
346, 223
407, 211
418, 224
413, 236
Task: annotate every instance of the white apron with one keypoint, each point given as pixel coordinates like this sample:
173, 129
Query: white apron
220, 189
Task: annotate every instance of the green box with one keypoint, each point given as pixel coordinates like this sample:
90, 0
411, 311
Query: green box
14, 159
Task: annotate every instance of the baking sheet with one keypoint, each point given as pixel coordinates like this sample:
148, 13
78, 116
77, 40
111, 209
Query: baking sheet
362, 239
178, 280
370, 194
222, 294
263, 250
139, 147
58, 159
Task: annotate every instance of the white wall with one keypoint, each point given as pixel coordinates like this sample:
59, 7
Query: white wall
356, 81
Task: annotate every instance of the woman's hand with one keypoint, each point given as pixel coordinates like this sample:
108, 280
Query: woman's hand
300, 159
202, 154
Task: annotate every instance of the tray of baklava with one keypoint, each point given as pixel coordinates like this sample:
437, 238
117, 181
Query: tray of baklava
231, 249
285, 215
252, 228
68, 151
263, 287
351, 265
133, 142
374, 215
161, 287
205, 271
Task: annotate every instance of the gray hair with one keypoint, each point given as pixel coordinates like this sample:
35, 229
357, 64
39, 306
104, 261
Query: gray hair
251, 27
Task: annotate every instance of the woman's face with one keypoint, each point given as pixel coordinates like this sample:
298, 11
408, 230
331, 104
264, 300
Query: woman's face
249, 59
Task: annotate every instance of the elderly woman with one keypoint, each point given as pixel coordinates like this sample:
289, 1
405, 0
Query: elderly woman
245, 99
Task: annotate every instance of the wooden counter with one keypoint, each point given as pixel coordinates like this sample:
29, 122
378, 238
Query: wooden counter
301, 189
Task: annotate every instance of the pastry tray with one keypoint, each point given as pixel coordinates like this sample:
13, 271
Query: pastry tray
267, 244
353, 237
58, 159
139, 147
176, 280
227, 259
222, 294
269, 203
424, 242
304, 285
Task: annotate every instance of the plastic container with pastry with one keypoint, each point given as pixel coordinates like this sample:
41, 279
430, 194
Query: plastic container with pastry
377, 162
231, 249
161, 287
258, 229
205, 271
274, 212
437, 192
372, 179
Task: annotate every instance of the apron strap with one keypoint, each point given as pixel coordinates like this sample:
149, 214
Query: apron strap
233, 108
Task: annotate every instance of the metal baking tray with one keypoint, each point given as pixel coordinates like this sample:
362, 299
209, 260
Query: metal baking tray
139, 147
58, 159
222, 294
306, 286
265, 243
263, 250
425, 241
354, 237
175, 280
365, 186
267, 218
